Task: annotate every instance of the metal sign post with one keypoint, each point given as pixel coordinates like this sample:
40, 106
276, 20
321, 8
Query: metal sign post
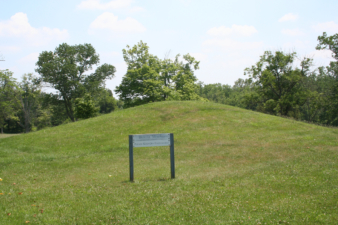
150, 140
172, 156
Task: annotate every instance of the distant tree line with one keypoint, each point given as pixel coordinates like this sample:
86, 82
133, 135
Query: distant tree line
273, 86
24, 107
150, 79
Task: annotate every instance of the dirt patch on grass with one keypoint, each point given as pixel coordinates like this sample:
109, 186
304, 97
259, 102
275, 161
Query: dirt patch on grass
7, 135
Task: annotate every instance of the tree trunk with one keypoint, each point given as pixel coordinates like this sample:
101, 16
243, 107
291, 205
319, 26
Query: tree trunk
2, 130
9, 129
27, 116
27, 125
69, 110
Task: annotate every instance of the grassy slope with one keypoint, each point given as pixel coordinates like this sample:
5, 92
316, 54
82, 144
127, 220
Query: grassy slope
232, 166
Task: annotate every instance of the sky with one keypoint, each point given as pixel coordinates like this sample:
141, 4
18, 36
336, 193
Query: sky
225, 36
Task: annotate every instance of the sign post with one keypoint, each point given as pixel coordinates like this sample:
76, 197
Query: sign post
150, 140
172, 156
131, 158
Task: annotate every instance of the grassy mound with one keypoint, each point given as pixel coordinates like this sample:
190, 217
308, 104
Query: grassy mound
233, 166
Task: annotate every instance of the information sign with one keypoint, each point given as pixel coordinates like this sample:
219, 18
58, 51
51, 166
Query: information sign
150, 140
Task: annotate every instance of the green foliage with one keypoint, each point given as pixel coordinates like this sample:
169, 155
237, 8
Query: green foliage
329, 42
65, 70
241, 94
106, 102
30, 102
85, 107
53, 106
331, 71
9, 93
279, 85
184, 78
275, 87
149, 79
142, 83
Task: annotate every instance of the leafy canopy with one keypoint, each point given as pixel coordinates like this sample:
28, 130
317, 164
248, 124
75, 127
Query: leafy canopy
331, 43
150, 79
64, 69
9, 93
278, 84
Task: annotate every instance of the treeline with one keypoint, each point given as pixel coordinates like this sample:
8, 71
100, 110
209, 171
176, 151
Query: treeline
24, 107
275, 86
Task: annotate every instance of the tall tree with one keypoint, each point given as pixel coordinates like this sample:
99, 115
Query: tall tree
142, 83
106, 101
8, 97
29, 100
185, 78
331, 43
149, 79
65, 70
54, 106
278, 84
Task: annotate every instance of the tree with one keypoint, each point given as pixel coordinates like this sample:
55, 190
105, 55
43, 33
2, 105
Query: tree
30, 91
331, 43
85, 107
142, 83
8, 97
106, 101
65, 70
184, 78
53, 106
279, 86
149, 79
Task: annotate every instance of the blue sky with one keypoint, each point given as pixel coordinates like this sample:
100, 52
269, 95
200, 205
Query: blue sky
225, 36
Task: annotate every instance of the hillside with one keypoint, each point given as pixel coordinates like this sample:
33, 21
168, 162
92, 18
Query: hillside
233, 166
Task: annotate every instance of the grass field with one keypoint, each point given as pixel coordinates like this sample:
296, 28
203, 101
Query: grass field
233, 166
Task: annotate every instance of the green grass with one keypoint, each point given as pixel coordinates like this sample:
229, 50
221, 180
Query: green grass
233, 166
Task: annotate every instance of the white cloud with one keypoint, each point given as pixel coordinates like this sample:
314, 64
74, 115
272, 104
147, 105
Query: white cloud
321, 57
136, 9
19, 27
288, 17
9, 49
185, 2
238, 62
31, 58
96, 4
234, 29
296, 45
330, 27
113, 54
292, 32
321, 54
107, 21
232, 44
199, 56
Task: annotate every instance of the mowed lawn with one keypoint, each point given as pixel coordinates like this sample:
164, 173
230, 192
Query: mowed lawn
233, 166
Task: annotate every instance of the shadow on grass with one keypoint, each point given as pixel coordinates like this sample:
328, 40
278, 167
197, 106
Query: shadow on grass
148, 180
158, 179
